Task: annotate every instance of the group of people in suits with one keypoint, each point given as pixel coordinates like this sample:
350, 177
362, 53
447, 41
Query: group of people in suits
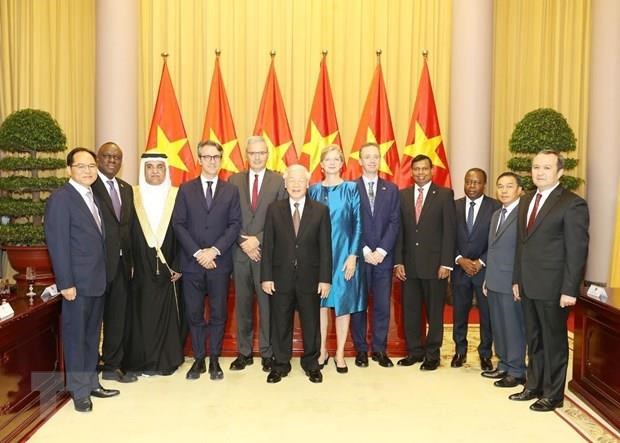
135, 258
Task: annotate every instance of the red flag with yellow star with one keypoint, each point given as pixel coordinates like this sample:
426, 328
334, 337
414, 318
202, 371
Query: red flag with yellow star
322, 129
272, 124
167, 133
375, 126
424, 136
219, 125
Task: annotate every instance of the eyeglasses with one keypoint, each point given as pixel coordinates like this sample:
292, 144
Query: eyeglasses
211, 158
83, 168
257, 153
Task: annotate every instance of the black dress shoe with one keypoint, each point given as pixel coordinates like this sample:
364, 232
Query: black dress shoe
546, 405
102, 392
215, 370
315, 376
361, 359
429, 365
275, 376
120, 376
198, 367
322, 365
495, 373
486, 364
341, 369
458, 360
266, 363
83, 404
525, 395
509, 382
382, 359
409, 360
241, 362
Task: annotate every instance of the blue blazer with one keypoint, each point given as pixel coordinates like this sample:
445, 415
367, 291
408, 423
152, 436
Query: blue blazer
75, 245
380, 229
196, 227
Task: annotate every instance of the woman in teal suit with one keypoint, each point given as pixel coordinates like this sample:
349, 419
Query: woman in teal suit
348, 292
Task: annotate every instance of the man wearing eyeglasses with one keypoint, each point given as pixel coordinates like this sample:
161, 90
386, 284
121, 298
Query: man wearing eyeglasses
75, 241
258, 187
206, 220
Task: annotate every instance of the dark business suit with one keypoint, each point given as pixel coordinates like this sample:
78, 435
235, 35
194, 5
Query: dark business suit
296, 265
550, 261
197, 227
118, 270
379, 230
77, 250
472, 245
246, 271
422, 248
507, 320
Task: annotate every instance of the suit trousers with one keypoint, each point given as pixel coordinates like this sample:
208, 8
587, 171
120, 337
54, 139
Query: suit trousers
81, 328
547, 346
283, 306
215, 286
508, 327
380, 289
115, 319
462, 298
247, 283
431, 293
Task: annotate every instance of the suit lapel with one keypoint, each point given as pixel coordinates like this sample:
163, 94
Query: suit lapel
287, 216
105, 195
124, 190
196, 190
364, 196
428, 201
267, 183
460, 216
305, 216
484, 206
81, 204
550, 202
512, 218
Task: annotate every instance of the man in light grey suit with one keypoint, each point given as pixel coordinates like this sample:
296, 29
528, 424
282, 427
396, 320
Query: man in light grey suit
258, 187
507, 320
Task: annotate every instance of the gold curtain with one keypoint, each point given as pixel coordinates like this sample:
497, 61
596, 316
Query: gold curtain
47, 61
614, 268
247, 30
541, 58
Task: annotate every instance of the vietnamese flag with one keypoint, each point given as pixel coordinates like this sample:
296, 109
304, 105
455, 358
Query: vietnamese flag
167, 134
375, 126
322, 128
424, 136
272, 124
219, 125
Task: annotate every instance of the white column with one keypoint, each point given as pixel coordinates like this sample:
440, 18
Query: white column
117, 27
603, 147
470, 88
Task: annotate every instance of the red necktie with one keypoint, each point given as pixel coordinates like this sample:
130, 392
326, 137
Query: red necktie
255, 193
418, 204
530, 222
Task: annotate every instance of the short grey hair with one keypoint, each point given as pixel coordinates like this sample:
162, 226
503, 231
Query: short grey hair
299, 168
253, 139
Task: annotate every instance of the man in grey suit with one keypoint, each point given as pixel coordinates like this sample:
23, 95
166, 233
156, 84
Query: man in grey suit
506, 313
258, 187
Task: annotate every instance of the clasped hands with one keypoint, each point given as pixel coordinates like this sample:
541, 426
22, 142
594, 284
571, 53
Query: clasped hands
374, 258
206, 258
251, 247
469, 266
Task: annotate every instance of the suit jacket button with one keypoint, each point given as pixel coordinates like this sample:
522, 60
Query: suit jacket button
417, 244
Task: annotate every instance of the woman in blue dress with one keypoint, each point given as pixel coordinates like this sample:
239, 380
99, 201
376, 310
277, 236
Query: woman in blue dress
348, 292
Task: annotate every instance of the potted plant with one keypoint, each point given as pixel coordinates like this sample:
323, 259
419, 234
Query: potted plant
29, 142
540, 129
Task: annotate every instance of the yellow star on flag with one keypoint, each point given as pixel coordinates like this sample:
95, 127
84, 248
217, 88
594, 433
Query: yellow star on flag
171, 149
383, 149
316, 144
276, 154
227, 163
424, 145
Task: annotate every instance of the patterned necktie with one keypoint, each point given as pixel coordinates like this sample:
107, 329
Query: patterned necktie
296, 218
116, 202
255, 193
502, 219
530, 222
93, 208
209, 194
470, 217
371, 196
418, 204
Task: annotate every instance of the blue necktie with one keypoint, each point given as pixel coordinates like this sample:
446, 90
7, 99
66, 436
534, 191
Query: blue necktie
470, 217
209, 194
502, 219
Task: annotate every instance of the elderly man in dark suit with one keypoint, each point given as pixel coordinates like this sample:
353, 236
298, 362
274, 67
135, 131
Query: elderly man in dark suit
552, 247
206, 220
296, 269
424, 260
258, 188
117, 213
74, 237
473, 217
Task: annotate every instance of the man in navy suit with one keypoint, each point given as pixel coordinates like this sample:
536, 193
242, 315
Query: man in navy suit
74, 236
206, 220
473, 217
380, 224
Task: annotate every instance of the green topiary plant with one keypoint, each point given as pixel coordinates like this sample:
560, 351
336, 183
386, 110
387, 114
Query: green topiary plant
24, 136
540, 129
